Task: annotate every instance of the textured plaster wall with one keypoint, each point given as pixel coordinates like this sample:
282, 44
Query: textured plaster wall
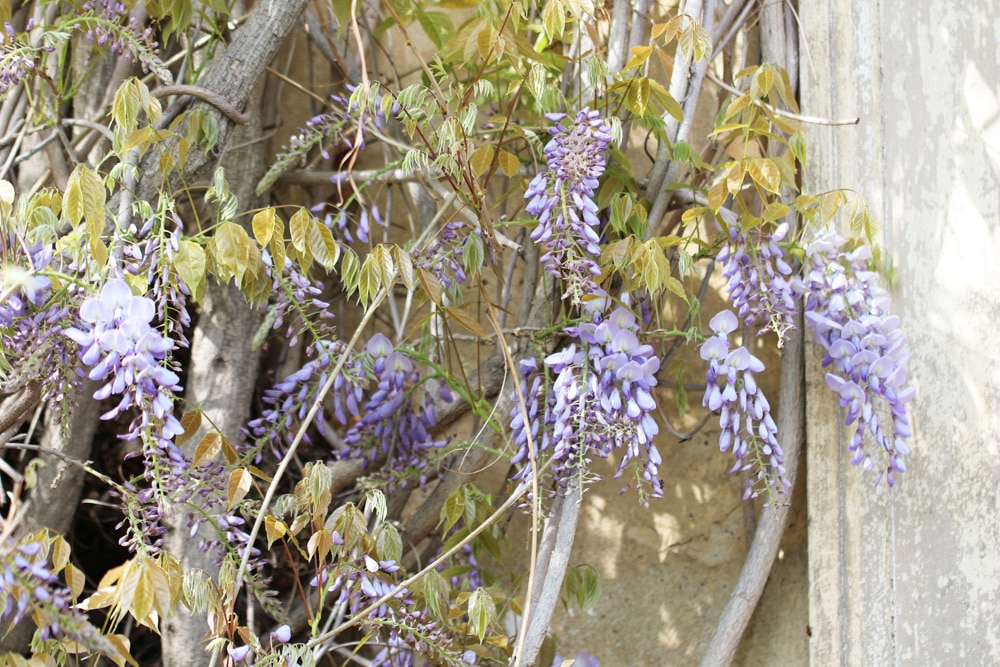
912, 576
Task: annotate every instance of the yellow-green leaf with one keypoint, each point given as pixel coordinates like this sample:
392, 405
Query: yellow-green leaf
190, 422
405, 268
84, 199
238, 486
734, 177
263, 226
298, 227
717, 195
640, 54
323, 246
482, 612
190, 265
125, 107
765, 173
233, 251
431, 285
274, 528
481, 159
75, 580
466, 320
508, 162
554, 19
208, 448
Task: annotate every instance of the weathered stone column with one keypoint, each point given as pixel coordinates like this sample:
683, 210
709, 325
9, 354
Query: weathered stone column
912, 575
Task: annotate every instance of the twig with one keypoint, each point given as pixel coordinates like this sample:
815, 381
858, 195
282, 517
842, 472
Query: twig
14, 410
812, 120
205, 95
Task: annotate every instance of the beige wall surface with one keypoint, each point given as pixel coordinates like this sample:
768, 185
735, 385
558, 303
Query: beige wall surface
912, 575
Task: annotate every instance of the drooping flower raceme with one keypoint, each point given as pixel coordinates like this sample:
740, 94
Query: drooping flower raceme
29, 587
600, 400
758, 274
118, 342
562, 198
744, 412
848, 311
396, 424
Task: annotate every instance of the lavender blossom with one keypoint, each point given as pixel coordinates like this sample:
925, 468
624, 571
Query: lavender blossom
118, 343
600, 399
18, 57
741, 402
31, 325
562, 198
758, 274
28, 586
848, 312
108, 24
395, 425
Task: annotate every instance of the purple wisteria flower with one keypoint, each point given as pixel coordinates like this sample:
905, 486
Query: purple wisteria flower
562, 198
18, 57
29, 587
848, 311
31, 325
600, 399
396, 423
109, 24
744, 412
118, 342
406, 632
758, 274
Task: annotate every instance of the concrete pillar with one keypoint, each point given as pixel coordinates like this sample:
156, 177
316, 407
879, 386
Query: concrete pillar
911, 575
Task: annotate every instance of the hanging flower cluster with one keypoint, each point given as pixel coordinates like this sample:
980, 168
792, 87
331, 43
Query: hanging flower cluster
848, 312
117, 30
562, 198
117, 341
18, 57
394, 425
31, 325
758, 274
744, 412
600, 399
29, 587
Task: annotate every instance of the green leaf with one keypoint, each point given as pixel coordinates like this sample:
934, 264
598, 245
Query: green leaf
472, 254
370, 280
482, 612
554, 19
84, 200
388, 543
453, 508
435, 589
350, 271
